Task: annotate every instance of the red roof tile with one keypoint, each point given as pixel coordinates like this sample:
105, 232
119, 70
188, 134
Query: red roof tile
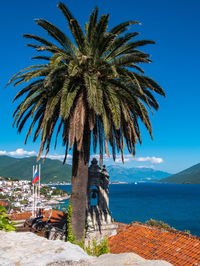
3, 203
152, 243
20, 216
55, 216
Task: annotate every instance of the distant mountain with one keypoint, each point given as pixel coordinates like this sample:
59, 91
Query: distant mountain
189, 176
51, 170
54, 171
122, 174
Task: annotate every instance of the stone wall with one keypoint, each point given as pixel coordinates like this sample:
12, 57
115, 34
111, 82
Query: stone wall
27, 249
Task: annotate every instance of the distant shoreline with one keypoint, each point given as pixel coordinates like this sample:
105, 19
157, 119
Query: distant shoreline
138, 182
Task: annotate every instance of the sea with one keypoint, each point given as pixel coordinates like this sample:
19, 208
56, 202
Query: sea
174, 204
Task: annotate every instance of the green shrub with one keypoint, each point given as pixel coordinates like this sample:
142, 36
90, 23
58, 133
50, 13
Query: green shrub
25, 201
159, 224
103, 247
70, 236
58, 192
5, 223
98, 249
163, 225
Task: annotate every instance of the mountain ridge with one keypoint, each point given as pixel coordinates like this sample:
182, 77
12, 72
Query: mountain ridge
22, 168
54, 171
134, 174
190, 175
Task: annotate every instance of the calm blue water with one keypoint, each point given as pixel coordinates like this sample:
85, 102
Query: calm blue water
177, 205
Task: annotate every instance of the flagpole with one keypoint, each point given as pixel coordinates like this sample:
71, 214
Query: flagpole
39, 180
36, 194
33, 204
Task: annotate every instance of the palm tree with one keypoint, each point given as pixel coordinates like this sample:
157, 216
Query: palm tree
90, 89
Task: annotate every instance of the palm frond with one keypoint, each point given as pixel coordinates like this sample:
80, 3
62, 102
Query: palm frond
38, 38
57, 34
74, 26
122, 27
100, 31
92, 24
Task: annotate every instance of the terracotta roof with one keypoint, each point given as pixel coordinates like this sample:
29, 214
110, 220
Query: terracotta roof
153, 243
20, 216
3, 203
57, 217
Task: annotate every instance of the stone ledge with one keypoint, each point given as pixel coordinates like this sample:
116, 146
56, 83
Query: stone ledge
24, 249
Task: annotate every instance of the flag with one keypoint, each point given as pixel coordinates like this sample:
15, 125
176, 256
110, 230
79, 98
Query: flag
35, 178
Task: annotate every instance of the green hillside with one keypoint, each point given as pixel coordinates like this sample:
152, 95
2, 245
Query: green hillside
189, 176
51, 170
54, 171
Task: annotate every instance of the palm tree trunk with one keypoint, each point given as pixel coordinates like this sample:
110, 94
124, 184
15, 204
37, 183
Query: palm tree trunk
79, 189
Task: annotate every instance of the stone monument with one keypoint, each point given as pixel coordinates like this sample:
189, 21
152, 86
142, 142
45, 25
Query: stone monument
99, 220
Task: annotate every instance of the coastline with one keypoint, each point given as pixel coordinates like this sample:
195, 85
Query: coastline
57, 200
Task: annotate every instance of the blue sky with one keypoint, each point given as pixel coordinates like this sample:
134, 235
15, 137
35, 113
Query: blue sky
173, 24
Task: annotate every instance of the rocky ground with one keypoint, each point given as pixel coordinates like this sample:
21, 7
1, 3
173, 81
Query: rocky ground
22, 249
